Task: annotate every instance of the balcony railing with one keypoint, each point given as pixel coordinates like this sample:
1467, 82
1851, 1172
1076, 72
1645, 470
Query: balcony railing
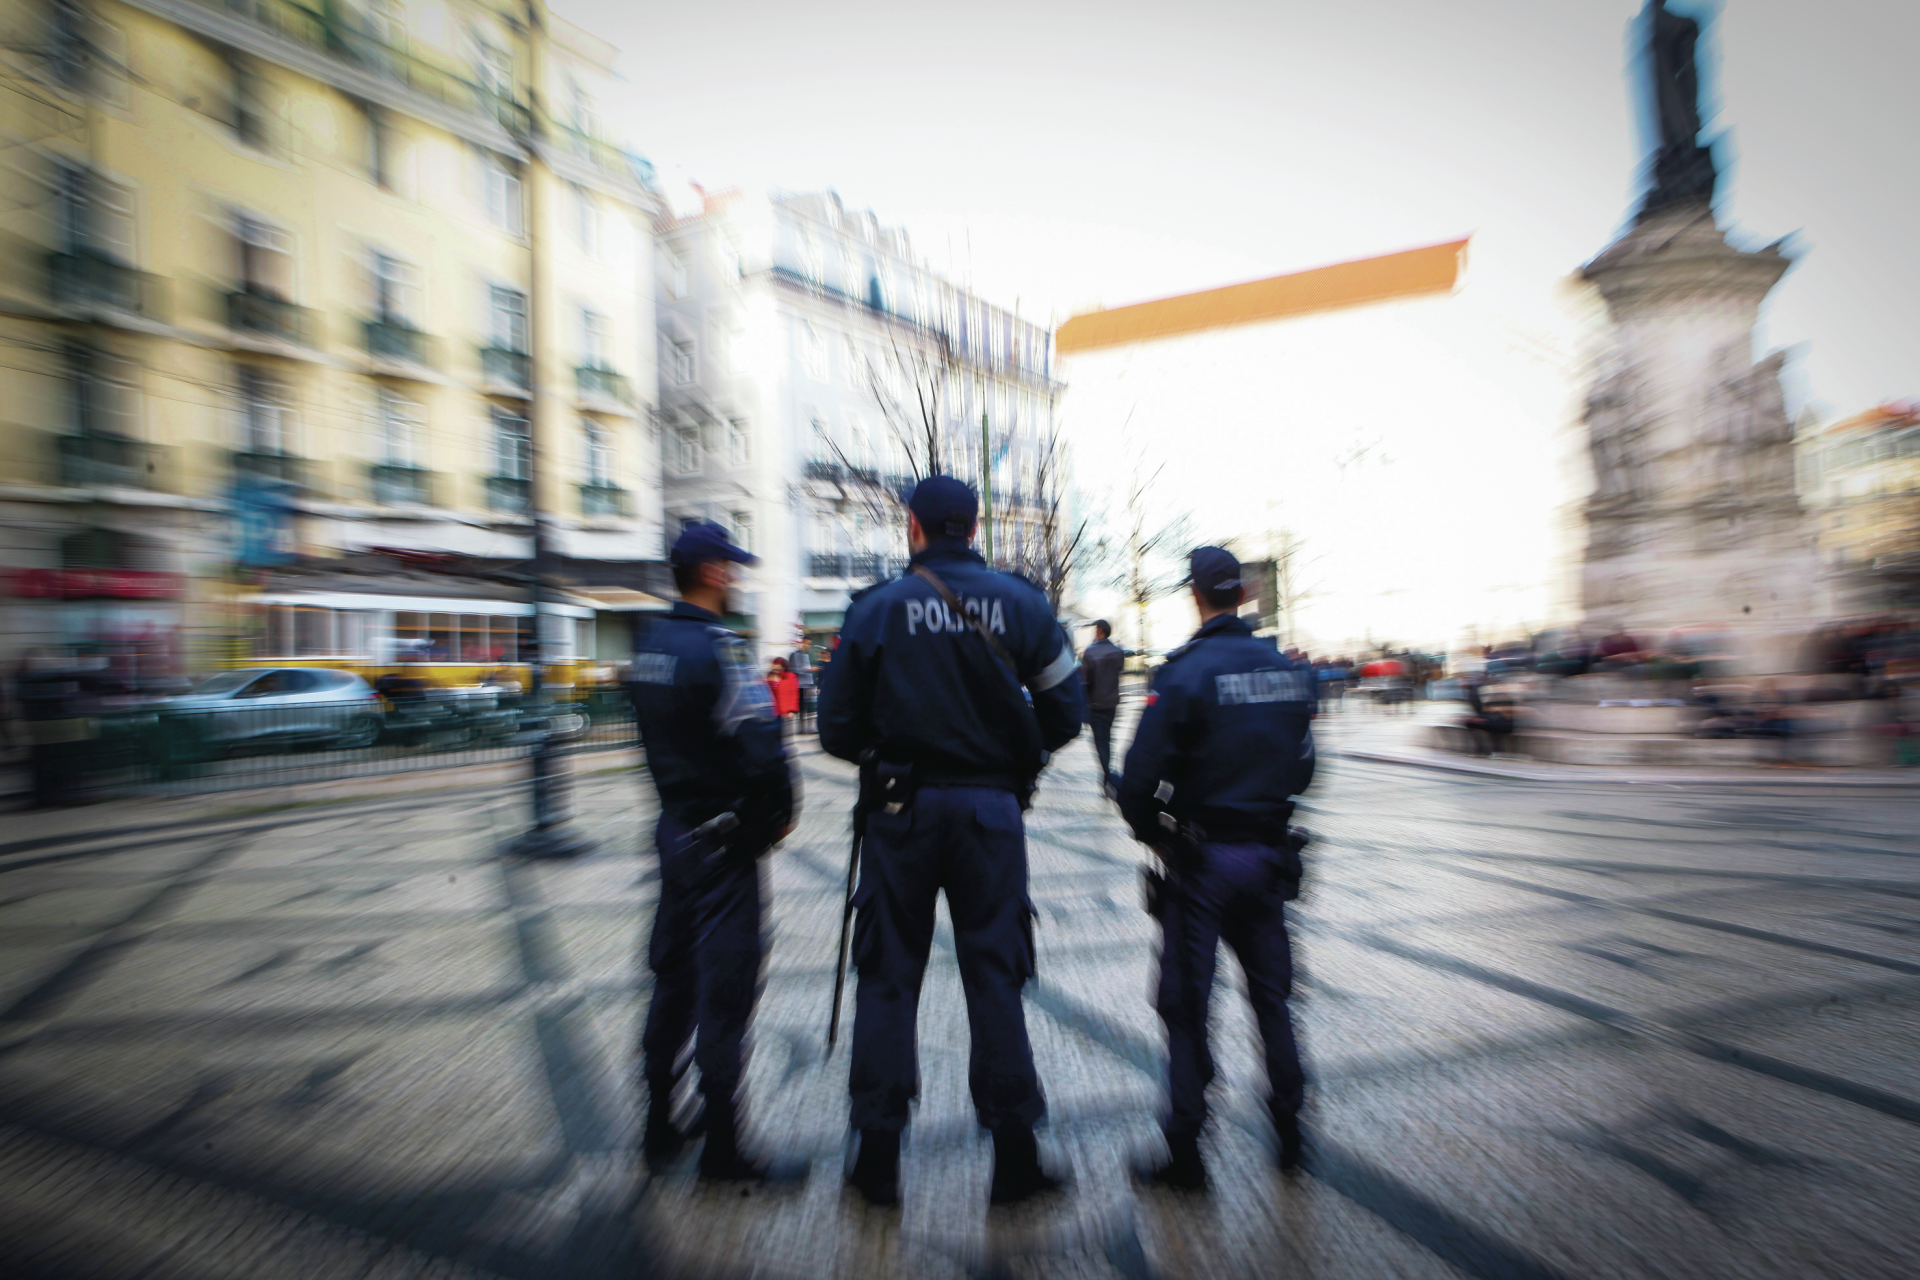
866, 564
97, 280
826, 566
509, 496
281, 468
396, 484
603, 500
95, 461
501, 364
250, 312
396, 340
334, 29
602, 384
823, 469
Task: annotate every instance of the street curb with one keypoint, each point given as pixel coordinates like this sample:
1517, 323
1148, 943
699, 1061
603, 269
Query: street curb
1590, 773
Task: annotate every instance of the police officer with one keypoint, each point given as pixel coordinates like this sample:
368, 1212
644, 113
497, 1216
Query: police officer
926, 689
1222, 747
719, 764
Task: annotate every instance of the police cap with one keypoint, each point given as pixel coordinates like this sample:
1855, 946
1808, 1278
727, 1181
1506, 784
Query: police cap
705, 541
944, 506
1214, 569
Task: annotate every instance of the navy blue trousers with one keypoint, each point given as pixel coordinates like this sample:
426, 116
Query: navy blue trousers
1237, 895
705, 954
969, 842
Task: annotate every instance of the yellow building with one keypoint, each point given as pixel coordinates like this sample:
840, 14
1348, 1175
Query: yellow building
1862, 478
353, 261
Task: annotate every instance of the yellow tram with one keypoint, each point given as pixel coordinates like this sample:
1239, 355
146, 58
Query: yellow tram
444, 641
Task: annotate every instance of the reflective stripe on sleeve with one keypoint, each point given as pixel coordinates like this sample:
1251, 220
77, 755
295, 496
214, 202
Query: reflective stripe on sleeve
1057, 670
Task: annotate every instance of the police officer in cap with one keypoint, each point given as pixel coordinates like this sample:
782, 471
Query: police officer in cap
1222, 747
719, 764
952, 685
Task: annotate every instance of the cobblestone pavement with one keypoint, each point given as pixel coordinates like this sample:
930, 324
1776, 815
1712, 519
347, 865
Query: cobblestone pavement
1558, 1029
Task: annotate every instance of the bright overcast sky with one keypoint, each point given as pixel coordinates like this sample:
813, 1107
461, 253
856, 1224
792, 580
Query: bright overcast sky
1066, 153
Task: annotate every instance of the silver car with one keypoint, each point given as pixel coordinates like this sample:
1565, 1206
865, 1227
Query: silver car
277, 708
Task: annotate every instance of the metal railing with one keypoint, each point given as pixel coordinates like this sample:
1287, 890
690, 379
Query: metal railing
334, 29
282, 468
826, 566
97, 280
270, 317
503, 364
603, 500
92, 461
823, 469
210, 748
604, 383
396, 340
397, 485
506, 494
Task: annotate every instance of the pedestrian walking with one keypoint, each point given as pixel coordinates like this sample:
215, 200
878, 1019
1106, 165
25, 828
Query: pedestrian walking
719, 764
1100, 668
801, 664
1223, 745
925, 691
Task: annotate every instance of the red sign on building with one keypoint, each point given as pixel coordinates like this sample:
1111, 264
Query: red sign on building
93, 584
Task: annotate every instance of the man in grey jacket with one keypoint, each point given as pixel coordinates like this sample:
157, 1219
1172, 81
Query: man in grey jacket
1100, 672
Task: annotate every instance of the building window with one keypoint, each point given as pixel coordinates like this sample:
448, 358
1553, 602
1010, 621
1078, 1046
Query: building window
743, 530
739, 443
586, 221
400, 429
506, 207
512, 446
594, 340
99, 393
266, 258
815, 353
493, 67
379, 134
66, 52
686, 450
395, 285
599, 442
507, 318
683, 362
247, 111
266, 416
679, 283
94, 216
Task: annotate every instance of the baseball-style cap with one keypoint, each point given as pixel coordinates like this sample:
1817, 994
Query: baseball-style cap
1214, 569
944, 506
706, 541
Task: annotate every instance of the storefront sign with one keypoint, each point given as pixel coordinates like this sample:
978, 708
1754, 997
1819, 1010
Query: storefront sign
94, 584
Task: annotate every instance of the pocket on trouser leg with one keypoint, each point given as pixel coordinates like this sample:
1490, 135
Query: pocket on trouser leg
864, 924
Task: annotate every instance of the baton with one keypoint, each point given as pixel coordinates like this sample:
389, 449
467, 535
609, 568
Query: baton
846, 923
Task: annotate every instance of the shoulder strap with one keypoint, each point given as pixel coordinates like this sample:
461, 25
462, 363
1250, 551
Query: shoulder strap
953, 603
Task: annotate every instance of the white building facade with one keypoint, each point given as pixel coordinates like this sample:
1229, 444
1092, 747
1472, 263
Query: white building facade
810, 369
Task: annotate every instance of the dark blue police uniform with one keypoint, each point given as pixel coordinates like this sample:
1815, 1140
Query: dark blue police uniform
715, 748
1227, 729
914, 684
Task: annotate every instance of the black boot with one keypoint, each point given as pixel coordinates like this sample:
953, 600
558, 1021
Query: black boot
721, 1159
1017, 1174
876, 1167
1291, 1146
1181, 1169
662, 1141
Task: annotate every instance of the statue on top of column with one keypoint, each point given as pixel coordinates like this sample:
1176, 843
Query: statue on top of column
1682, 169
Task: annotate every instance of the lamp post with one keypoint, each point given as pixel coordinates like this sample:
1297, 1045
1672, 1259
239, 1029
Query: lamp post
553, 833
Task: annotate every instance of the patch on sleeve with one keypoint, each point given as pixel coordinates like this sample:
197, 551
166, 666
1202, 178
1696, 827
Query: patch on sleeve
744, 696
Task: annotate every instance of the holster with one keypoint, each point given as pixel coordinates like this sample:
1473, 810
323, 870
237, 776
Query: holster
885, 787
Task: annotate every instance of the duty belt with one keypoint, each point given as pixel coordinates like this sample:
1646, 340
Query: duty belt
991, 781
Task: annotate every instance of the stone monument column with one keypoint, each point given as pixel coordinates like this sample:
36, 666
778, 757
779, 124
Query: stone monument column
1694, 519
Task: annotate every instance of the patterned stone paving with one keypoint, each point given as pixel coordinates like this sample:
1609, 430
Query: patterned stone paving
1558, 1029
